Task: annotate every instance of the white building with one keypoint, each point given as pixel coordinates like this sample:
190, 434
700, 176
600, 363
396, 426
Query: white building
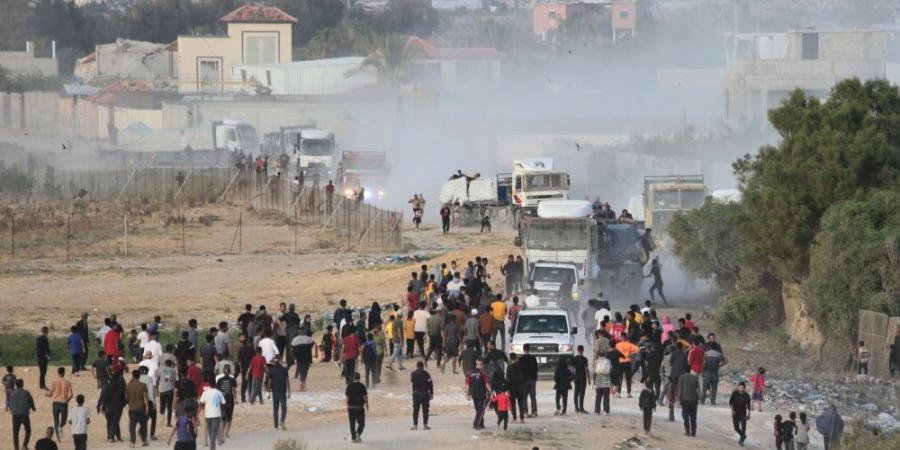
305, 78
764, 68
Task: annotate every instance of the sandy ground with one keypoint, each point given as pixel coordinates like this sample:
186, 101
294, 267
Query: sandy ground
317, 418
214, 287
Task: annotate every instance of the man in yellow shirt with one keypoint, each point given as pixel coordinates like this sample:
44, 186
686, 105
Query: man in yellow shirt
498, 311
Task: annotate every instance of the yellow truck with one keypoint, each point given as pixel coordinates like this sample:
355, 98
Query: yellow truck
667, 195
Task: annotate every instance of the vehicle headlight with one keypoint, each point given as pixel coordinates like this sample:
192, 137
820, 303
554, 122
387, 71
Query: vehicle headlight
380, 195
348, 192
564, 348
575, 296
516, 348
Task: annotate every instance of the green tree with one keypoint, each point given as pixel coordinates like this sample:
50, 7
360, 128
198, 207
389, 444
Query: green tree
840, 149
312, 17
13, 23
855, 264
352, 37
389, 60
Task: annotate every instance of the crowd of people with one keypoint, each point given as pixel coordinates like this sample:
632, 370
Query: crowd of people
451, 317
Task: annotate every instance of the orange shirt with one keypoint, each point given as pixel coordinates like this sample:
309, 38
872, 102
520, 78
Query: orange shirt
626, 349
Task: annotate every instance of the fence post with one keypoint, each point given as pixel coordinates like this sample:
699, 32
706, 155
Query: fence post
12, 234
126, 233
183, 246
68, 236
296, 229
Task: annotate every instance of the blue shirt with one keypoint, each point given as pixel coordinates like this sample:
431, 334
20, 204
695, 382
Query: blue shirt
74, 343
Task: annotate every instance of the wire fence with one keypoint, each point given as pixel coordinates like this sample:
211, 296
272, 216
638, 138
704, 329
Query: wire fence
101, 212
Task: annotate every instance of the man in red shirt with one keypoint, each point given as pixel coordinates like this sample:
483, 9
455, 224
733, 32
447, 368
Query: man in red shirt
350, 349
257, 372
412, 299
111, 343
513, 314
688, 323
195, 374
696, 357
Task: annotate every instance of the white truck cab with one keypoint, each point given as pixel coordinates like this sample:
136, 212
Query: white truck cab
548, 332
535, 180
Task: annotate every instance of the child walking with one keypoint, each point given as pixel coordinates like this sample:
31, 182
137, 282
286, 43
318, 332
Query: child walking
501, 400
647, 403
758, 380
802, 439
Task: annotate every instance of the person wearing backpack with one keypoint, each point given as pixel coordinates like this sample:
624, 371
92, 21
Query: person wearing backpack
602, 369
647, 403
185, 430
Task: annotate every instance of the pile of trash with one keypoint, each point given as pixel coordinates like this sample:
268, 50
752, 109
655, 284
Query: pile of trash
393, 259
635, 442
871, 399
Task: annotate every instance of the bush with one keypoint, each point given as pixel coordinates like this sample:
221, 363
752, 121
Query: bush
14, 179
740, 309
855, 264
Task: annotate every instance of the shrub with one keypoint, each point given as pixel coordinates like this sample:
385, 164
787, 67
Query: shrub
740, 309
290, 444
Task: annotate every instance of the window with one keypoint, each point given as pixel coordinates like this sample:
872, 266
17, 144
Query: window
542, 324
230, 135
810, 46
551, 15
623, 15
209, 74
269, 78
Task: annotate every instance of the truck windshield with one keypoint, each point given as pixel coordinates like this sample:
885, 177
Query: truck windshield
248, 135
666, 199
547, 181
558, 234
550, 324
691, 199
544, 274
364, 164
317, 147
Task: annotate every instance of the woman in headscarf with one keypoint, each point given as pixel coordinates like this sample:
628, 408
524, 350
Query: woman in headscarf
830, 426
375, 316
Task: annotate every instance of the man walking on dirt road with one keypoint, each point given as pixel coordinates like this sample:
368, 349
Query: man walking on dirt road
478, 391
422, 393
357, 404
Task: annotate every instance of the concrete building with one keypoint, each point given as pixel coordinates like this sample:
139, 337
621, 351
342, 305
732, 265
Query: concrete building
548, 17
322, 77
20, 63
446, 67
764, 68
255, 35
146, 62
624, 19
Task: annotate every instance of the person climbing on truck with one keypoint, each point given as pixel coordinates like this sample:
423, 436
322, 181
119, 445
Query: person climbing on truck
655, 272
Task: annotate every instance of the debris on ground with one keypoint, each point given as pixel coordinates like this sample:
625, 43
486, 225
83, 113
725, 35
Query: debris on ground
635, 442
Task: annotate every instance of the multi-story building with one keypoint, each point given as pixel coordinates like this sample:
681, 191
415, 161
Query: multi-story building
764, 68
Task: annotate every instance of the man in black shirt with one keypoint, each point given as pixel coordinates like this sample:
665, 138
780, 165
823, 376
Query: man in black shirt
184, 350
280, 386
46, 443
478, 390
245, 354
422, 393
226, 384
740, 410
494, 361
245, 319
43, 356
208, 356
515, 384
530, 373
582, 373
357, 404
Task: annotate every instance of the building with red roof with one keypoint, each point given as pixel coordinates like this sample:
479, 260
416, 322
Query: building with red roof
256, 34
453, 66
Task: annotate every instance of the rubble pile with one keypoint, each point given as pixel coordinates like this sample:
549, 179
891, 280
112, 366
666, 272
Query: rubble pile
872, 399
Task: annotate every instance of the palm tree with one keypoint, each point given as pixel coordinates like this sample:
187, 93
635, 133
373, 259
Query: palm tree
389, 61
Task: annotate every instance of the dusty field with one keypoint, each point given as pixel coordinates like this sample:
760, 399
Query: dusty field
215, 285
